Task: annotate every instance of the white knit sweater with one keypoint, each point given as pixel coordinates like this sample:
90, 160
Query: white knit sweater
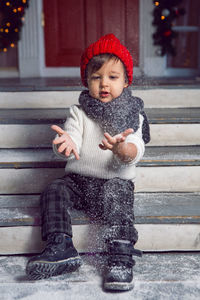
95, 162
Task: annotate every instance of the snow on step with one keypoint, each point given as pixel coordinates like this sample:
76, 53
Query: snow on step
165, 222
156, 276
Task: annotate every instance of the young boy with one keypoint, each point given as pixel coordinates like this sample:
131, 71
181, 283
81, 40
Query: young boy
103, 139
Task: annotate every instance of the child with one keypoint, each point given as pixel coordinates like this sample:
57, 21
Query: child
103, 139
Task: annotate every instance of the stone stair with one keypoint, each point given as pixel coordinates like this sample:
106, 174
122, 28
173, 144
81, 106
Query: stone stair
167, 205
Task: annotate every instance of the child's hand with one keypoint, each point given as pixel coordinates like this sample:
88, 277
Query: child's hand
67, 146
111, 142
125, 151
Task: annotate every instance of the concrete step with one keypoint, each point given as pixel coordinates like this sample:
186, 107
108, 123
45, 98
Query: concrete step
169, 276
150, 208
45, 157
153, 96
22, 128
162, 169
58, 116
165, 222
37, 136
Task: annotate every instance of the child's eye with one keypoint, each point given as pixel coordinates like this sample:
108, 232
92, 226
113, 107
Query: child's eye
95, 77
113, 77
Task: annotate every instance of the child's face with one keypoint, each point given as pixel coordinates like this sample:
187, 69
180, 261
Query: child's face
108, 82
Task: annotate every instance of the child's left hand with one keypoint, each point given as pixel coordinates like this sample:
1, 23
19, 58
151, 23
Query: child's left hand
111, 142
125, 151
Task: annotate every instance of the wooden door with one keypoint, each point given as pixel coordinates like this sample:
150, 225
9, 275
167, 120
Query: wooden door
70, 26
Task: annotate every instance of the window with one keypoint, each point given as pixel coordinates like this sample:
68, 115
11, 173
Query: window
188, 41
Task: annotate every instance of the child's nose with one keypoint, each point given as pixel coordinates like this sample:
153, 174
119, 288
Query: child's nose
104, 81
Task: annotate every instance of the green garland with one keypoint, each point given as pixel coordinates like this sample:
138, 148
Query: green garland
11, 16
165, 12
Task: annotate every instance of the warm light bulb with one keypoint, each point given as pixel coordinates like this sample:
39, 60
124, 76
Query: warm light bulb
19, 9
8, 24
12, 45
16, 29
1, 29
24, 1
162, 17
5, 49
6, 30
14, 10
156, 3
8, 3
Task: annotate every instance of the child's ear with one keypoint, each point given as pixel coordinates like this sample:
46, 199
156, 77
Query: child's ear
125, 85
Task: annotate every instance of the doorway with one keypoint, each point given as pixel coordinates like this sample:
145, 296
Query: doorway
70, 26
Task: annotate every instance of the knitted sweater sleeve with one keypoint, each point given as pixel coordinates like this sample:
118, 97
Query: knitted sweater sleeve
137, 140
74, 127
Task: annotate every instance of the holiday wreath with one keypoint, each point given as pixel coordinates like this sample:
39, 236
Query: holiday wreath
165, 13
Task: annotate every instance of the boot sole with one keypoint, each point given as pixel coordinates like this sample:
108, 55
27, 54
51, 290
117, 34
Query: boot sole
44, 269
118, 286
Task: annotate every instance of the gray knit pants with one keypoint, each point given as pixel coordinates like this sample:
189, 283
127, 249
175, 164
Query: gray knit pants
109, 202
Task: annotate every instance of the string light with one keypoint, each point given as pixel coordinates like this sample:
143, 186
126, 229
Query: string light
13, 13
162, 17
156, 3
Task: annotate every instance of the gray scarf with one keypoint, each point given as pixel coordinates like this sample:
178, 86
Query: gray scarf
117, 115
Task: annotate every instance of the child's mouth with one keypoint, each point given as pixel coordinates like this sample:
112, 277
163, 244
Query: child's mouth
104, 94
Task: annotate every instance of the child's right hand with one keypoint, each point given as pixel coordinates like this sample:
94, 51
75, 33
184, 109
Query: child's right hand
67, 146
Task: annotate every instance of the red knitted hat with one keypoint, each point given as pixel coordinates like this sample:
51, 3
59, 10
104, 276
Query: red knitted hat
107, 44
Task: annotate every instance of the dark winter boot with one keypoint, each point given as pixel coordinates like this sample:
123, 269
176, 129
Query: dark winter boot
58, 257
119, 274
